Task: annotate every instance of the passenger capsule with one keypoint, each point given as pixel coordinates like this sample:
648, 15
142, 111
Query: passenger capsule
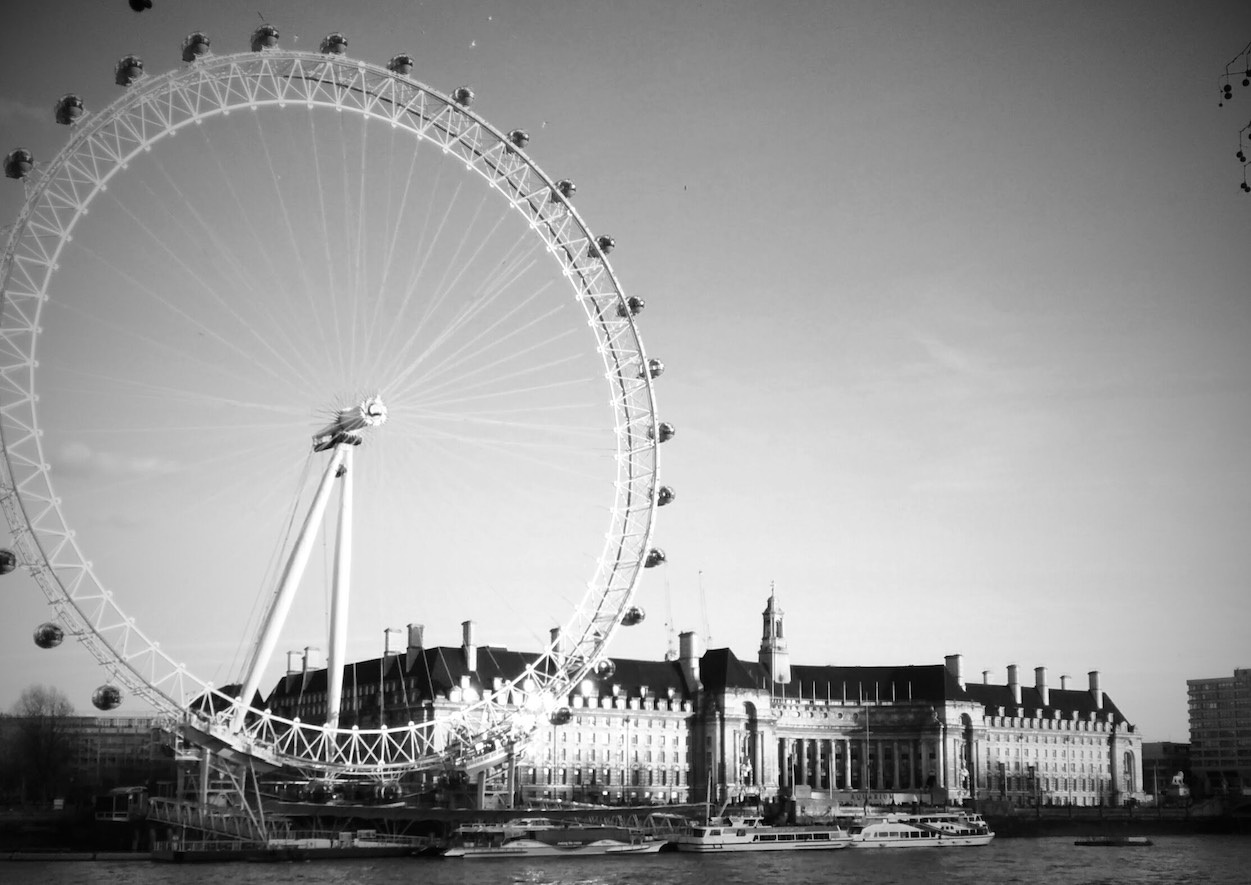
655, 557
663, 432
633, 616
194, 46
654, 369
561, 716
107, 697
69, 108
605, 669
401, 64
631, 307
128, 70
334, 44
519, 138
8, 559
602, 246
665, 495
48, 635
565, 188
463, 96
264, 37
140, 5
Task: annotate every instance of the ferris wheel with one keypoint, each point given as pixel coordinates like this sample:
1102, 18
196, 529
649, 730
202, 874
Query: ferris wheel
271, 285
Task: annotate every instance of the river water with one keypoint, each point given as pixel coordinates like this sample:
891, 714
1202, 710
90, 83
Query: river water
1213, 860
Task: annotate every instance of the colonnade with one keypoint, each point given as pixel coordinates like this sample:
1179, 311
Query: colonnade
839, 763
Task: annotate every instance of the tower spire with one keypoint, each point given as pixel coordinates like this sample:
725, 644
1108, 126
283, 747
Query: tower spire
773, 654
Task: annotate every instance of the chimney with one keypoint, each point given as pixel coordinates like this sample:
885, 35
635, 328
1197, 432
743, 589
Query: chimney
985, 677
1040, 683
312, 659
689, 654
469, 647
1064, 682
955, 666
1014, 685
295, 663
391, 641
1095, 691
416, 636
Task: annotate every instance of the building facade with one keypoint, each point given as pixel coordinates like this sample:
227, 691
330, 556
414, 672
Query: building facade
708, 725
1220, 733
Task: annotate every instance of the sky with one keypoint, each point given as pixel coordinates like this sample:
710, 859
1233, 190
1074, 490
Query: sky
953, 300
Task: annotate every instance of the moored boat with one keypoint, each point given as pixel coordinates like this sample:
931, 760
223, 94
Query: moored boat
751, 833
542, 837
936, 830
1114, 841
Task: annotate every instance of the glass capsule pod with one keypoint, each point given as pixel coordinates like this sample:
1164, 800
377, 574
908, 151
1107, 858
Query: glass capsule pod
194, 46
463, 96
69, 108
264, 37
632, 307
8, 559
334, 44
49, 635
401, 64
655, 557
665, 495
107, 697
654, 369
663, 432
128, 69
633, 616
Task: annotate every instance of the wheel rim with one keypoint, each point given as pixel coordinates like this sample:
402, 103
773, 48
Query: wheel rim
103, 147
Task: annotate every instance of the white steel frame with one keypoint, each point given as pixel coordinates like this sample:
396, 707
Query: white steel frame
59, 194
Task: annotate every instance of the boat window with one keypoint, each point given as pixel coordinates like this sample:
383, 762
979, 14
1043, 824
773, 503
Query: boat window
740, 832
821, 837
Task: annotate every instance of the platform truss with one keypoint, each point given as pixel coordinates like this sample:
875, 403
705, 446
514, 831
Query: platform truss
58, 195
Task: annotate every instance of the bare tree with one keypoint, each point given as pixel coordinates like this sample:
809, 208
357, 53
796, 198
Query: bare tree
40, 748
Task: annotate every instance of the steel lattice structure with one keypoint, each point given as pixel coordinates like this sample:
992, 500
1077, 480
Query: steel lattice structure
60, 193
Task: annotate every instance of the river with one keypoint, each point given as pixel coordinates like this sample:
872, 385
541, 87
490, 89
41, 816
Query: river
1213, 860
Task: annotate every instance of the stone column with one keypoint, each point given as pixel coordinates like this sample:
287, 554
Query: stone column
846, 763
894, 761
801, 762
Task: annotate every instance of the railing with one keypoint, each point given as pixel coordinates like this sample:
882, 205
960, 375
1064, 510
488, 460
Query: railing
209, 820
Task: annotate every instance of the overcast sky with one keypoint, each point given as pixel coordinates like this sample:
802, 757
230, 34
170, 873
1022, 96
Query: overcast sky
954, 299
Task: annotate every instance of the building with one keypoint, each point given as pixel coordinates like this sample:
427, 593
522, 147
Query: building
710, 725
85, 755
1220, 733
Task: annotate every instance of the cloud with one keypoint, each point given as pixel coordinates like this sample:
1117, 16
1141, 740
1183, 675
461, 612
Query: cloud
79, 459
13, 112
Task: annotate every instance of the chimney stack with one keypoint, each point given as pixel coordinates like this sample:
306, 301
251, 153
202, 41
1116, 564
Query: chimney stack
1014, 685
295, 663
1064, 682
955, 666
1095, 691
688, 659
416, 637
469, 647
1040, 683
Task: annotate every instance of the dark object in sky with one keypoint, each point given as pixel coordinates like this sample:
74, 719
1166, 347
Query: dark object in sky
566, 188
264, 37
633, 616
128, 70
519, 137
8, 559
140, 5
655, 557
48, 635
334, 44
194, 46
602, 246
631, 307
605, 669
107, 697
463, 96
400, 64
665, 495
69, 108
654, 369
663, 432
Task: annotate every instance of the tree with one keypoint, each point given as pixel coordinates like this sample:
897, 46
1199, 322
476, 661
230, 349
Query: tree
40, 742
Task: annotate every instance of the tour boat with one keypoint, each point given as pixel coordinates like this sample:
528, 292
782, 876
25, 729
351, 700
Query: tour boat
544, 837
751, 833
944, 829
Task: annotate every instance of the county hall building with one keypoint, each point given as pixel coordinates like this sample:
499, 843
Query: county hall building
707, 725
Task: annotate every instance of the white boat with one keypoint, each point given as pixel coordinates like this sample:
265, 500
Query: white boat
751, 833
942, 829
544, 837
